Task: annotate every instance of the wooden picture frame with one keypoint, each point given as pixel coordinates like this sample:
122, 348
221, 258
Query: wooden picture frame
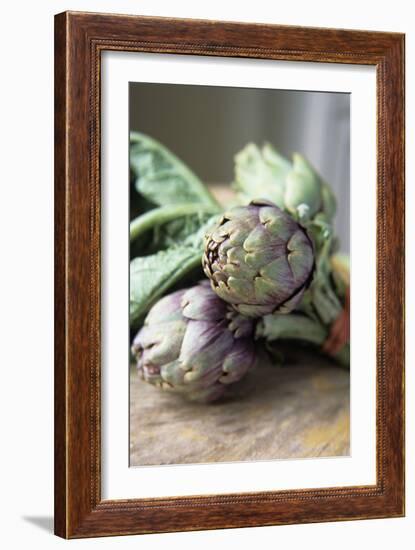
79, 40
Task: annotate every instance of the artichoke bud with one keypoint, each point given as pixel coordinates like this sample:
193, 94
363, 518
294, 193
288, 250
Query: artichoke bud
329, 201
303, 188
259, 259
261, 173
198, 348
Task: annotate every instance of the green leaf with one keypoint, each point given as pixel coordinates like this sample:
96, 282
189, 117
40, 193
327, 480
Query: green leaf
162, 178
176, 231
261, 174
197, 239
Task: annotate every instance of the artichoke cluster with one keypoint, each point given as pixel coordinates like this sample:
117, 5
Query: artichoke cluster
270, 276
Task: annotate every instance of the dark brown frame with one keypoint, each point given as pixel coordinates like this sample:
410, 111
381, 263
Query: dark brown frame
79, 40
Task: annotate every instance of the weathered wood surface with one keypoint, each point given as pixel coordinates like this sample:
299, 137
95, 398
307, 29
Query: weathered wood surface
298, 411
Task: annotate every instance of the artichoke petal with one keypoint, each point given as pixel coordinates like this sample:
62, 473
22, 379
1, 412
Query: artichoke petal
257, 239
173, 373
158, 348
204, 345
278, 270
301, 262
241, 287
292, 303
266, 292
239, 325
238, 362
221, 288
276, 224
201, 303
166, 309
303, 187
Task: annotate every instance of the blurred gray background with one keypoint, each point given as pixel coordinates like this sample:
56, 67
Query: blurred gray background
206, 126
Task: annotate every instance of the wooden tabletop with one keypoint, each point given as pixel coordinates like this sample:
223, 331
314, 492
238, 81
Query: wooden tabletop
300, 410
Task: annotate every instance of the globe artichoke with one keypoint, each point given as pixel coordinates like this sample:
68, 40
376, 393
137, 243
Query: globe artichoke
259, 259
294, 187
194, 344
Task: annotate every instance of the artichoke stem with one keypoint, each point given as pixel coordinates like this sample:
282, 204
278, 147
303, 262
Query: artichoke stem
326, 304
291, 327
295, 326
164, 214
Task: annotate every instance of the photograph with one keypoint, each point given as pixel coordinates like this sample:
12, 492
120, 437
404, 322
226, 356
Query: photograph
229, 273
239, 306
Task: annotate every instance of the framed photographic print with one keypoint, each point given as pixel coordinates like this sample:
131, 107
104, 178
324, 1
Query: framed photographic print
229, 276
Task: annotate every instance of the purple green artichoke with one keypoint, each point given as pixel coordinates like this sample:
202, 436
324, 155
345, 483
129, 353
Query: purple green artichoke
259, 259
194, 344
